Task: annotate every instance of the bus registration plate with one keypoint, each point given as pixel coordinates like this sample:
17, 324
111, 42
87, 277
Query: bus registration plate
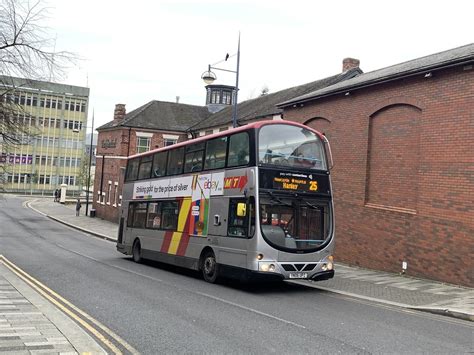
298, 275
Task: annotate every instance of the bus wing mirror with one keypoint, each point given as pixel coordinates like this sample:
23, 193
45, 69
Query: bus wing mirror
241, 209
329, 153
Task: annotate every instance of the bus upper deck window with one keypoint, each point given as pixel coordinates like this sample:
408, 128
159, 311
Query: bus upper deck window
132, 169
159, 164
286, 145
175, 161
215, 153
144, 171
239, 150
193, 157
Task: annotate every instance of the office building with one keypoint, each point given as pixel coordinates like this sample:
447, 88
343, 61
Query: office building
54, 118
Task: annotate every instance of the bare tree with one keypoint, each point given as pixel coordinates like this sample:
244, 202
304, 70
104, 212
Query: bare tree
83, 174
27, 51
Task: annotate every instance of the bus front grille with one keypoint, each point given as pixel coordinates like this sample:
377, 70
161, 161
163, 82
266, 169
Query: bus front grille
298, 267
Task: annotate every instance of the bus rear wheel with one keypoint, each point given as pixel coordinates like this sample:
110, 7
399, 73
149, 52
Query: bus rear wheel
137, 251
210, 268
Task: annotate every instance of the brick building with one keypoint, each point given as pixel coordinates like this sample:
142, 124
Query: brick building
403, 151
402, 139
153, 125
157, 124
265, 107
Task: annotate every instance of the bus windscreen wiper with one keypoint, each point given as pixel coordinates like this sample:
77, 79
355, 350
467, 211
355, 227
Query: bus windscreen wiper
324, 210
311, 205
276, 199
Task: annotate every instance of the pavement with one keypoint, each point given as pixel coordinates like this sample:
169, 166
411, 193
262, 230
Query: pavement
32, 324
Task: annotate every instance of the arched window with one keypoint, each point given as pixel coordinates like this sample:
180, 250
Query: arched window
393, 157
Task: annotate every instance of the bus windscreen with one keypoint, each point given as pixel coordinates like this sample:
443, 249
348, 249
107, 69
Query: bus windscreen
284, 145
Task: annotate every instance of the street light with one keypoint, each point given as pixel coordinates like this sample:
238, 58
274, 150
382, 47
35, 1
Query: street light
209, 77
90, 163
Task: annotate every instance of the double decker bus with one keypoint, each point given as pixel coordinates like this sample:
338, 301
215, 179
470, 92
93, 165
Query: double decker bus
248, 202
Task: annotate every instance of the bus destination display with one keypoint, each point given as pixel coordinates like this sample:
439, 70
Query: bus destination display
295, 182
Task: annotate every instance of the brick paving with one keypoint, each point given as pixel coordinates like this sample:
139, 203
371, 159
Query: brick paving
407, 291
23, 328
31, 325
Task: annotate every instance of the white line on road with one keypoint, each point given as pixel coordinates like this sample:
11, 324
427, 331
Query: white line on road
249, 309
191, 291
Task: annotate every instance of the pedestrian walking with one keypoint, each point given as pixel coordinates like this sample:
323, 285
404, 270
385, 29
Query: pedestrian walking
56, 195
78, 207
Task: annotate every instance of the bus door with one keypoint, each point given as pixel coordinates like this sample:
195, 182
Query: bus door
236, 226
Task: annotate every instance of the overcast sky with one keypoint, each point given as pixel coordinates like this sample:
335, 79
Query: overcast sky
137, 51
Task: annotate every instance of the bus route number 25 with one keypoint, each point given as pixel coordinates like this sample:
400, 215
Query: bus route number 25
313, 186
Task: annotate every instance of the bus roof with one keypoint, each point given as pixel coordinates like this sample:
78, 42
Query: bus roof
247, 127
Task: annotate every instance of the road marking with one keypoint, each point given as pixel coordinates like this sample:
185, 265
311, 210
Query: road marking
27, 204
250, 309
191, 291
60, 302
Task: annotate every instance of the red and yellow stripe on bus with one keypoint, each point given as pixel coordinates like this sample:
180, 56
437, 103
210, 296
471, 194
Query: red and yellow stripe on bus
176, 243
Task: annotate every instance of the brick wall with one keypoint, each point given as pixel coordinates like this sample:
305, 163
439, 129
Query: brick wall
115, 145
157, 140
404, 173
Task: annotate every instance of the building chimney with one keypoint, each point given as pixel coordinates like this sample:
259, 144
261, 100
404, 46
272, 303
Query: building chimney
119, 112
177, 99
349, 63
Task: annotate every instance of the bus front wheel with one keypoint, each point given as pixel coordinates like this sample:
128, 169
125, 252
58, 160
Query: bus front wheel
210, 268
137, 252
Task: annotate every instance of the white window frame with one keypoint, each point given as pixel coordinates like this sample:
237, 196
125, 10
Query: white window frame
115, 194
110, 190
147, 147
170, 138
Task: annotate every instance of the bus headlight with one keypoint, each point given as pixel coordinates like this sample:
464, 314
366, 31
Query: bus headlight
267, 267
327, 266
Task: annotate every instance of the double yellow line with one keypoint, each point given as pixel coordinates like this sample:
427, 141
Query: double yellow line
91, 325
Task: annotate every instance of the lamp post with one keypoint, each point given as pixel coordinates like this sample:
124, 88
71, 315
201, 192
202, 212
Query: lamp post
90, 164
209, 77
